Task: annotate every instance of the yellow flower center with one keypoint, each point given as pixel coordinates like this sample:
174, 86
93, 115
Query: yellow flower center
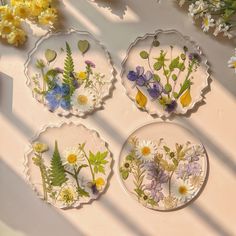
82, 99
183, 190
6, 30
206, 22
72, 158
146, 151
234, 64
99, 182
81, 75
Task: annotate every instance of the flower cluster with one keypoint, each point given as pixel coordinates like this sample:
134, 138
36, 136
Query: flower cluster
218, 15
62, 182
66, 88
164, 178
13, 14
159, 81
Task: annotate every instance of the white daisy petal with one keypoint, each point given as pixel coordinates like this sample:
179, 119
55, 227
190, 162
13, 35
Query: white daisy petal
72, 156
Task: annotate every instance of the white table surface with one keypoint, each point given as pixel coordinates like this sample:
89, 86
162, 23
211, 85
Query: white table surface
116, 213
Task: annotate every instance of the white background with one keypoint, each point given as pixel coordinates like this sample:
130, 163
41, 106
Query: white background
116, 25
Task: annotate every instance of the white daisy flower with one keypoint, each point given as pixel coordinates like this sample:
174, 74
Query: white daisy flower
207, 23
183, 191
67, 195
232, 63
73, 156
83, 99
146, 150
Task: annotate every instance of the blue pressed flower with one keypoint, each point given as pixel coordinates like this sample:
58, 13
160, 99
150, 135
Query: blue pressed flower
140, 70
141, 80
155, 91
148, 75
170, 107
56, 97
132, 76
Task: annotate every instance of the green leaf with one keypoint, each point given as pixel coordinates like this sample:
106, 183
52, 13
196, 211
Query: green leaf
125, 174
174, 63
69, 69
156, 77
157, 66
57, 172
144, 55
98, 161
83, 46
175, 162
50, 55
168, 88
167, 149
174, 77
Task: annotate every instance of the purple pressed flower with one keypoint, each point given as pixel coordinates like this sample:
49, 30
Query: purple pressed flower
181, 171
148, 75
132, 76
141, 80
155, 190
155, 91
140, 70
156, 173
193, 168
90, 63
194, 56
170, 107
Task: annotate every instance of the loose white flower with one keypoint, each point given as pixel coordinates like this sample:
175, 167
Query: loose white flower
83, 100
146, 150
183, 191
232, 63
72, 156
207, 23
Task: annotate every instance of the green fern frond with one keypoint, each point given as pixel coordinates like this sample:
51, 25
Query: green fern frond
57, 171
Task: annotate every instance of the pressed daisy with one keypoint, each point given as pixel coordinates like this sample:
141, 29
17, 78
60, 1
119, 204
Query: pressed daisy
183, 191
68, 195
232, 63
73, 156
40, 147
207, 23
146, 150
83, 100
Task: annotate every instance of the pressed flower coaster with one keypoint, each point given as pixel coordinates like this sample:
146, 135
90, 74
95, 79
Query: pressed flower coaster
163, 166
69, 72
165, 73
68, 165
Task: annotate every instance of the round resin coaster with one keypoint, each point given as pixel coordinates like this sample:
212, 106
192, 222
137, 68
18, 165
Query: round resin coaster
165, 73
163, 166
68, 165
69, 72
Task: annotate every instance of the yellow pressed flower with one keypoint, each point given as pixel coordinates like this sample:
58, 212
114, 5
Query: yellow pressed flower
22, 10
43, 3
3, 9
40, 147
100, 182
16, 37
8, 15
141, 99
48, 17
6, 28
16, 2
81, 75
186, 98
35, 9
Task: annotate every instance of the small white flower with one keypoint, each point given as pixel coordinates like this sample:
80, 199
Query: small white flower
67, 195
83, 99
232, 63
146, 150
183, 191
207, 22
73, 156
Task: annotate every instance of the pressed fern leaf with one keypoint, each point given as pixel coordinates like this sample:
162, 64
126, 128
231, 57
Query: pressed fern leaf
57, 171
69, 69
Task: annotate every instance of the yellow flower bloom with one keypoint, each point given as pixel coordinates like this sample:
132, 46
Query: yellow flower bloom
81, 75
100, 182
186, 98
48, 17
40, 147
16, 37
6, 28
22, 10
